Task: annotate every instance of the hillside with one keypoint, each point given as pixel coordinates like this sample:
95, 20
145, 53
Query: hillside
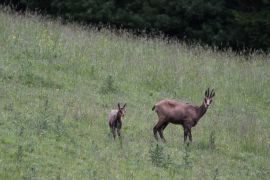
59, 82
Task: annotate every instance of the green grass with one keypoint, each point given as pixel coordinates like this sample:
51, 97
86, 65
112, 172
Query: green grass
59, 82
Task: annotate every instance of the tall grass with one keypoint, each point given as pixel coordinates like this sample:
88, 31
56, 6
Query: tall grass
58, 83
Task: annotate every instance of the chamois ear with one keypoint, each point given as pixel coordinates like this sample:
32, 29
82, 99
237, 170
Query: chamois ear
206, 93
118, 105
212, 93
124, 105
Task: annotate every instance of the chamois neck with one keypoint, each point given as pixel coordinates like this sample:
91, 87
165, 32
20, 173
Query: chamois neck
118, 116
201, 111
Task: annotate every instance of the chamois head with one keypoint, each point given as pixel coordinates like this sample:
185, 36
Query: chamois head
121, 110
208, 97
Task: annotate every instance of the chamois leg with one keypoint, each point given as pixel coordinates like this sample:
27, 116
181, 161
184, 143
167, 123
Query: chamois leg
155, 133
161, 131
185, 134
113, 132
119, 133
157, 128
189, 135
165, 125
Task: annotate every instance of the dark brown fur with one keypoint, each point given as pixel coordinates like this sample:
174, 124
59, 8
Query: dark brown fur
187, 115
115, 120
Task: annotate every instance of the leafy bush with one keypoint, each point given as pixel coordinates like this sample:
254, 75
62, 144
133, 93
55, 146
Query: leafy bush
108, 85
158, 157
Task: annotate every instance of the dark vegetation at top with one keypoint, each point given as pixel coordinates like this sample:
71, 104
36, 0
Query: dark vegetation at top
240, 25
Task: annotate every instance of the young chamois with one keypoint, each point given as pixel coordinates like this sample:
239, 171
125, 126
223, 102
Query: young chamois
171, 111
115, 119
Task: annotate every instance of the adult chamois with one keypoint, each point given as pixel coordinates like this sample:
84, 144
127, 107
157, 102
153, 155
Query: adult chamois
171, 111
115, 119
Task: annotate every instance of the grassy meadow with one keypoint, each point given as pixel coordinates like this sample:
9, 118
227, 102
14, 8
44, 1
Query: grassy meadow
59, 82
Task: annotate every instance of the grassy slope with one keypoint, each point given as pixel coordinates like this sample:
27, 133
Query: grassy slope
56, 91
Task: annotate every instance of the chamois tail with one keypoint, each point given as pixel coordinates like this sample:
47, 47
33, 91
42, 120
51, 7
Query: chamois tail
153, 108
